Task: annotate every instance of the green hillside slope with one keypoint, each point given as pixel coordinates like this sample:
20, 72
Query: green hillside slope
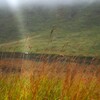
70, 30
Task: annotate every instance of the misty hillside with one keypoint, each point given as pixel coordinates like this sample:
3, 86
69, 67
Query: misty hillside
77, 23
37, 19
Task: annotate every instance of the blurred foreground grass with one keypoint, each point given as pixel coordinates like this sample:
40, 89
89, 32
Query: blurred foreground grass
52, 81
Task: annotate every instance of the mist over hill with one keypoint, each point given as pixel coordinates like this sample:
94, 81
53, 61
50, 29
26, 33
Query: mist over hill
78, 21
37, 18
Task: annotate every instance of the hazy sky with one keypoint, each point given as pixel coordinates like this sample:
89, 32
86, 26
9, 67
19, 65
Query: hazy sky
16, 3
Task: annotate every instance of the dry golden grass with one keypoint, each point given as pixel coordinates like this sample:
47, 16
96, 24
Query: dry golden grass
49, 81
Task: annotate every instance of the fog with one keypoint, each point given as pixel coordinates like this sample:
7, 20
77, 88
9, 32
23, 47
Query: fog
17, 3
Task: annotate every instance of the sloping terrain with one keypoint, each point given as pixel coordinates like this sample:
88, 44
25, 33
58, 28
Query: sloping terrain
70, 30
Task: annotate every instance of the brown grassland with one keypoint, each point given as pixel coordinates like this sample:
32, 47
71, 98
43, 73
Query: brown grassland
33, 80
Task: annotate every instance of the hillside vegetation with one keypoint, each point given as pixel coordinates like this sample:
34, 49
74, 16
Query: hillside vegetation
70, 30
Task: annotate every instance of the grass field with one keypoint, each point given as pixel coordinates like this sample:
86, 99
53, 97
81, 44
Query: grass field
84, 43
64, 31
49, 81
